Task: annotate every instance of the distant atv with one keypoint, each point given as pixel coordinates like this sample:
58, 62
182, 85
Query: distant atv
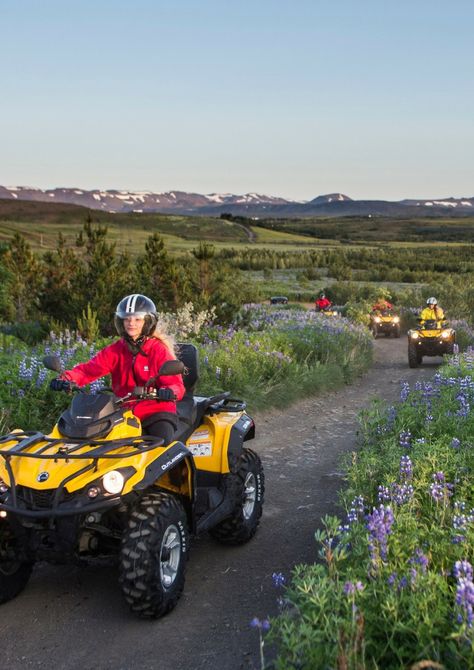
97, 486
430, 339
385, 322
334, 310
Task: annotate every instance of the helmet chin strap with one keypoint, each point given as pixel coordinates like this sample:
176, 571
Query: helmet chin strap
135, 346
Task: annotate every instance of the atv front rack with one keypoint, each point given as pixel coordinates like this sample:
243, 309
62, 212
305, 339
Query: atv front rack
66, 451
67, 446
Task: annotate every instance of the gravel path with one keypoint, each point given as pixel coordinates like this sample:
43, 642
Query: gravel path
75, 619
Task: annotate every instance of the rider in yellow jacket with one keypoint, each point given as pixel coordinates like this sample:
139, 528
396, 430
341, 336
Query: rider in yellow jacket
432, 311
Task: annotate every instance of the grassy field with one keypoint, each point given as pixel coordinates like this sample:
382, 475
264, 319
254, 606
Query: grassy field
41, 223
353, 229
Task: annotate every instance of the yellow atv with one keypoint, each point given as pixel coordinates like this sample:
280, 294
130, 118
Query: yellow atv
385, 322
431, 338
97, 487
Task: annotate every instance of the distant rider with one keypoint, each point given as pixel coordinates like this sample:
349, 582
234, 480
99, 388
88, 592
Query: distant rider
432, 311
322, 303
132, 361
382, 305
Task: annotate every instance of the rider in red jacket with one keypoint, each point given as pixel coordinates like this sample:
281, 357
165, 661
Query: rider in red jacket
132, 361
322, 303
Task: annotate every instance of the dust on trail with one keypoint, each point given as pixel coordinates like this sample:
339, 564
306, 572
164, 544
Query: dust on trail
75, 618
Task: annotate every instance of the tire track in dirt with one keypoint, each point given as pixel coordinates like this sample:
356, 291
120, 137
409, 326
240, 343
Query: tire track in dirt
76, 619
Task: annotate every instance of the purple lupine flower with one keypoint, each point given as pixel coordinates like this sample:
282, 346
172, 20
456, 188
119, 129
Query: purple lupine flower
402, 493
465, 595
261, 625
404, 439
440, 489
391, 580
356, 510
278, 579
406, 468
384, 494
463, 570
405, 391
350, 588
420, 559
379, 525
455, 443
402, 583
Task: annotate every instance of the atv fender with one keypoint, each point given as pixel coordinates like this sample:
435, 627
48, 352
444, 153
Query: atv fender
241, 431
174, 468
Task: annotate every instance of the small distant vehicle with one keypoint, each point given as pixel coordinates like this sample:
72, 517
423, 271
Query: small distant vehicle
278, 300
385, 322
430, 338
330, 311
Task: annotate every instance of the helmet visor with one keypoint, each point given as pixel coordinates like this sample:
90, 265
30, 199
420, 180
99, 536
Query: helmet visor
122, 314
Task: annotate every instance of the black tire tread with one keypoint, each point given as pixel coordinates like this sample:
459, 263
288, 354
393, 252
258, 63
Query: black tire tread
236, 529
140, 549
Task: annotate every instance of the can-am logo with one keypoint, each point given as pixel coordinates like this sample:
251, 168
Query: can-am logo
43, 476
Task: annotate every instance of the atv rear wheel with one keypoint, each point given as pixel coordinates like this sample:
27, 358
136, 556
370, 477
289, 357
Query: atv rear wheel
153, 555
413, 356
247, 486
14, 574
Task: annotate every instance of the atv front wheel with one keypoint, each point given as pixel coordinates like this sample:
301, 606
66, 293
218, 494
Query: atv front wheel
413, 357
247, 487
396, 332
153, 555
14, 574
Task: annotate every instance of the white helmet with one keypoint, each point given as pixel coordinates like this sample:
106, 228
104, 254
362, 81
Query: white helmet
431, 301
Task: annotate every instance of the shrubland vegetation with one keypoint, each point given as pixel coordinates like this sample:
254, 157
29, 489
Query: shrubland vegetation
394, 587
267, 357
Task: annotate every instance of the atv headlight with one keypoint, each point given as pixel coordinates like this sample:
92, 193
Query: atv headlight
445, 333
3, 486
113, 481
377, 319
414, 335
396, 319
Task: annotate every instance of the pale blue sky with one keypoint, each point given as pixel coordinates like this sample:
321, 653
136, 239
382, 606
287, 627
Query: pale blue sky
370, 98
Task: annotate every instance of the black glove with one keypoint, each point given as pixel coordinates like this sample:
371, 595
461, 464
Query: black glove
59, 385
165, 394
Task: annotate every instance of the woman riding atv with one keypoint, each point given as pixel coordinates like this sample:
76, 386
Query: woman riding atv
322, 303
432, 312
132, 361
382, 305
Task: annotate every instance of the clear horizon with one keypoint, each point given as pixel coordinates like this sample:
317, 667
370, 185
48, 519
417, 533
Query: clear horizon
291, 100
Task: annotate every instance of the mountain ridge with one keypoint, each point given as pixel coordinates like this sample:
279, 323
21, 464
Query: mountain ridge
252, 205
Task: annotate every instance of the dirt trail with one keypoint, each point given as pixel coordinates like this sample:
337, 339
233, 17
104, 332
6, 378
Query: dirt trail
75, 619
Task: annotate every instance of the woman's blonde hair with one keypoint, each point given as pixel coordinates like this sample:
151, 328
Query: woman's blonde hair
168, 340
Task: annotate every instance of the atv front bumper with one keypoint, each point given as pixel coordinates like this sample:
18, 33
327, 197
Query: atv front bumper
427, 347
386, 327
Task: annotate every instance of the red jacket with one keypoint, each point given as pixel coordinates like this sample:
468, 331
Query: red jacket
323, 303
129, 371
380, 306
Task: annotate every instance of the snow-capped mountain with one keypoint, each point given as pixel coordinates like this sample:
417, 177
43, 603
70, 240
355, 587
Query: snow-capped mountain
138, 201
249, 204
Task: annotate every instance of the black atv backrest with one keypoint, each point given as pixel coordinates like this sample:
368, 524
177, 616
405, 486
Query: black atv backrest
188, 354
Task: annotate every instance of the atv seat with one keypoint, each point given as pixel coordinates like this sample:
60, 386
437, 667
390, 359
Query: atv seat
190, 408
187, 407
